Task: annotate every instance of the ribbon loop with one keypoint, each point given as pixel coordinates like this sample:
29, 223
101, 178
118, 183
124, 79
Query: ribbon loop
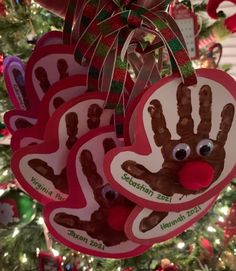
123, 4
127, 18
134, 20
127, 2
68, 24
117, 26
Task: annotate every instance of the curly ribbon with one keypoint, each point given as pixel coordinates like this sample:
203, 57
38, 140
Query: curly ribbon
111, 32
102, 51
168, 37
105, 24
148, 72
87, 12
68, 23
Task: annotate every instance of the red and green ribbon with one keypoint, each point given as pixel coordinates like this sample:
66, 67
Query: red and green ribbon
108, 36
69, 19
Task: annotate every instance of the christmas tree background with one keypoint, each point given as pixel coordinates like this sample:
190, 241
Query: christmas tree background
208, 245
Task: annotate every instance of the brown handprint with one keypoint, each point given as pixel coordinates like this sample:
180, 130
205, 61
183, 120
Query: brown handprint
20, 80
71, 120
42, 77
100, 225
152, 220
42, 168
23, 123
62, 67
94, 114
57, 102
194, 161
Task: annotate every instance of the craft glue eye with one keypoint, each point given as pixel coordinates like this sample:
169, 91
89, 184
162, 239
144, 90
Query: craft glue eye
109, 193
205, 147
181, 152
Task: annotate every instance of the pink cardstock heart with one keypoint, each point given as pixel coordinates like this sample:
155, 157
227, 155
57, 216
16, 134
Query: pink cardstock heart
41, 169
142, 174
85, 221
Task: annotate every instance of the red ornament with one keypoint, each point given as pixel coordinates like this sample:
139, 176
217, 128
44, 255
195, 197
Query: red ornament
229, 225
128, 269
4, 132
49, 262
207, 246
2, 8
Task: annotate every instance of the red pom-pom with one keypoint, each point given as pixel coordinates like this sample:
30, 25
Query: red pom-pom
196, 175
117, 217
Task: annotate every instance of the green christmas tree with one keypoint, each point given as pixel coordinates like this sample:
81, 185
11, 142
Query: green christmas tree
207, 245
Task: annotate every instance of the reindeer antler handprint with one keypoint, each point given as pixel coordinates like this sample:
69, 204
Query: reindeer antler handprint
71, 121
152, 220
194, 161
100, 225
43, 169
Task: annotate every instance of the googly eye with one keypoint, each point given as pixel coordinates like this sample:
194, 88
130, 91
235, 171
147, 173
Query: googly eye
205, 147
109, 193
181, 152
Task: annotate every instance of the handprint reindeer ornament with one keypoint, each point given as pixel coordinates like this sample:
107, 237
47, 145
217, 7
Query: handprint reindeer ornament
182, 154
207, 156
92, 219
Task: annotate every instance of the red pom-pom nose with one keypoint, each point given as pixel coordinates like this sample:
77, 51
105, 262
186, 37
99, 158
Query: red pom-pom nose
196, 175
117, 217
